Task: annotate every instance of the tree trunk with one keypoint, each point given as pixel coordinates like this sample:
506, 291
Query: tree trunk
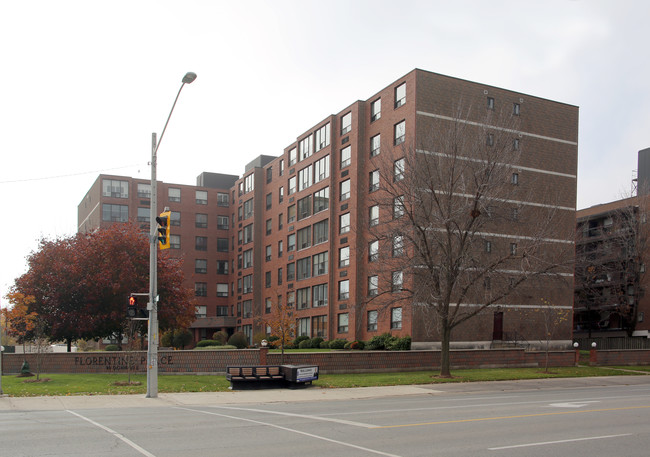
445, 371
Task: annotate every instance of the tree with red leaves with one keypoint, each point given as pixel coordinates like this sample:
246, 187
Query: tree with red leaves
81, 284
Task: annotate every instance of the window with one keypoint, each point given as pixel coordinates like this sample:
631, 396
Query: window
303, 268
514, 214
397, 281
222, 311
304, 207
281, 194
222, 244
304, 178
373, 215
373, 181
487, 283
343, 323
396, 318
373, 251
291, 214
373, 285
269, 175
319, 295
174, 194
248, 233
267, 305
249, 183
398, 170
400, 95
115, 188
269, 226
269, 200
291, 272
490, 139
345, 190
248, 258
344, 289
375, 143
346, 156
400, 132
515, 144
248, 209
201, 243
398, 207
267, 279
304, 238
268, 252
201, 197
322, 169
200, 266
303, 298
346, 123
222, 267
293, 157
344, 223
248, 284
321, 200
222, 199
174, 241
280, 248
292, 185
175, 218
375, 110
515, 178
321, 231
344, 256
144, 215
516, 109
372, 321
222, 290
279, 276
320, 262
488, 246
513, 248
280, 223
490, 102
201, 220
144, 190
115, 213
304, 329
305, 147
200, 311
222, 222
291, 242
323, 137
398, 246
247, 306
319, 326
201, 289
281, 171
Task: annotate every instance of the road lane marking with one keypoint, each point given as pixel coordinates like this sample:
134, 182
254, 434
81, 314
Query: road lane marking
572, 404
115, 434
545, 443
478, 419
303, 416
291, 430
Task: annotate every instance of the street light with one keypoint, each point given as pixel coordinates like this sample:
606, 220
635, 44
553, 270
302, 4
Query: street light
152, 306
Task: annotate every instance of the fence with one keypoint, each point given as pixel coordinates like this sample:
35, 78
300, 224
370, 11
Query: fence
614, 343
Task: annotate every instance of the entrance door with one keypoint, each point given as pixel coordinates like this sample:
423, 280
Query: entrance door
497, 332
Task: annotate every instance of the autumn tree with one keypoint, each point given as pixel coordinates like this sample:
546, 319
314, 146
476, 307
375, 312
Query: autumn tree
19, 320
281, 323
441, 202
80, 284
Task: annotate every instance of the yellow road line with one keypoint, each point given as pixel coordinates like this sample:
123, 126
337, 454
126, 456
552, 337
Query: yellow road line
478, 419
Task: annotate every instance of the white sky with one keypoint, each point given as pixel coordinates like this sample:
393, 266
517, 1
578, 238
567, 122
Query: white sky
85, 83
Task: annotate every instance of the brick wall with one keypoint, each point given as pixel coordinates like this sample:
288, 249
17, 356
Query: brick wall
329, 362
620, 357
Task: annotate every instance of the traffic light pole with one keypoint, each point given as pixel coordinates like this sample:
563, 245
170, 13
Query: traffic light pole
152, 306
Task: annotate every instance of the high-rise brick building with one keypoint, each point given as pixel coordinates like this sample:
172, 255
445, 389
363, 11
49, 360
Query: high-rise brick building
299, 223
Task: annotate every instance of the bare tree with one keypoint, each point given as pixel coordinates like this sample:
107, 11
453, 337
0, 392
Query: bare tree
465, 234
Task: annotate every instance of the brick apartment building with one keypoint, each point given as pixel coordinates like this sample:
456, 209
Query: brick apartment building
295, 227
612, 251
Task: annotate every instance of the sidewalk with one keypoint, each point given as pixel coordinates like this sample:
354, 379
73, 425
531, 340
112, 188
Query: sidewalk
77, 402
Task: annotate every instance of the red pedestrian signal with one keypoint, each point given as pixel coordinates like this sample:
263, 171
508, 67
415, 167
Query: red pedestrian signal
132, 307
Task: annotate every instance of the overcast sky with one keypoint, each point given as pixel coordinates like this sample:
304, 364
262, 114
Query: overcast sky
85, 83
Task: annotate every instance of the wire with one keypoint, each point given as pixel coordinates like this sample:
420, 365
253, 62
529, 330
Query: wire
69, 175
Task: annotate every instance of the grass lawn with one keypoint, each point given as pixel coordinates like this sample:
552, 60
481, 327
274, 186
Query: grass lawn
105, 384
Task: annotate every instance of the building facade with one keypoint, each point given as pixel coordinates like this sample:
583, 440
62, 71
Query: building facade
300, 224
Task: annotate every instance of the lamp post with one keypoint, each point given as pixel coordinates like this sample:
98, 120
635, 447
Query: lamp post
152, 306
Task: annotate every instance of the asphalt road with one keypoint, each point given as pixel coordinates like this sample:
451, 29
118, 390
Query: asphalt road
540, 418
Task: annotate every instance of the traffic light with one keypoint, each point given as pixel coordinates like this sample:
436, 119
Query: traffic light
132, 307
163, 229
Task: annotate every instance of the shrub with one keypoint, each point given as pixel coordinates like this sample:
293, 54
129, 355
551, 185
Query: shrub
239, 340
378, 342
348, 345
220, 336
207, 343
324, 345
305, 344
167, 339
214, 348
338, 344
399, 344
357, 345
315, 342
112, 347
299, 339
182, 337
